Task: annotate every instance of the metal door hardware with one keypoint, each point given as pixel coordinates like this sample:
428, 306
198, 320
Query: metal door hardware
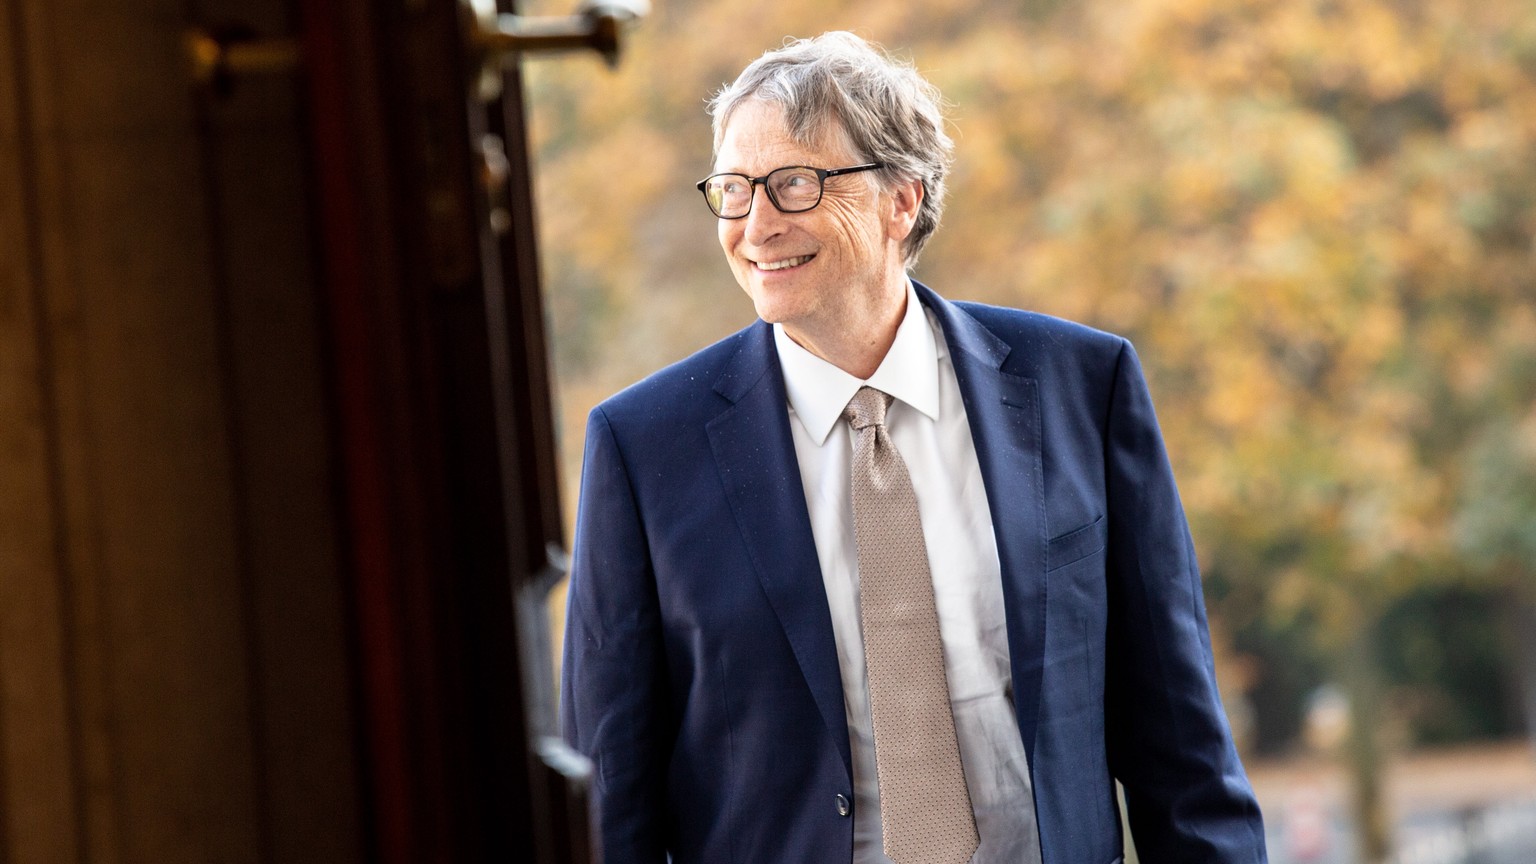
499, 38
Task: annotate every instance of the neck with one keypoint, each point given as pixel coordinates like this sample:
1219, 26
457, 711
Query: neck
856, 348
859, 360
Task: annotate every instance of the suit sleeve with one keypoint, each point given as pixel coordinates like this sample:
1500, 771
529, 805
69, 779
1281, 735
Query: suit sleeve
613, 686
1187, 796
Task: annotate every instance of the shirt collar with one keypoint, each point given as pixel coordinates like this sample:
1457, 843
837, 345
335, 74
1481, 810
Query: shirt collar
818, 390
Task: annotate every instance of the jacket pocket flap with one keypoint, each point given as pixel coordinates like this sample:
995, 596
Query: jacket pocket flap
1077, 544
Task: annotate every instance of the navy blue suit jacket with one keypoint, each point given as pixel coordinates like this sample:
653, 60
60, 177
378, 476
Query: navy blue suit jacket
700, 673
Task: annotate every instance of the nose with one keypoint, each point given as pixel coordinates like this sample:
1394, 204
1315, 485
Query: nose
764, 221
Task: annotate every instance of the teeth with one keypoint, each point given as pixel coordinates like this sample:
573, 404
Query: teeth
787, 262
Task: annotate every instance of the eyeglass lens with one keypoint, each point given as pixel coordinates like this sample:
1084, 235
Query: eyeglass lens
791, 189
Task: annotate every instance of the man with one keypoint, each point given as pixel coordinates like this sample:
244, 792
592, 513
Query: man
884, 577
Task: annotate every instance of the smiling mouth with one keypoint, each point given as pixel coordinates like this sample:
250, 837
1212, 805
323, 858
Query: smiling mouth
784, 264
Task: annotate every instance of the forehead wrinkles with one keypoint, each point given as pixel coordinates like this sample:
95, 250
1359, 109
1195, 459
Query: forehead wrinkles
760, 131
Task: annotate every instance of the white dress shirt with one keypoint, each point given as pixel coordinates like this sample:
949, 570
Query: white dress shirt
927, 423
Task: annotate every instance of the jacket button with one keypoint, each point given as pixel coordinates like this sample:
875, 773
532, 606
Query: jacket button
843, 807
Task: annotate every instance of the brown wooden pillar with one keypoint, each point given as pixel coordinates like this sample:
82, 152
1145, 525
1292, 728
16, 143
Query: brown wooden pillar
276, 458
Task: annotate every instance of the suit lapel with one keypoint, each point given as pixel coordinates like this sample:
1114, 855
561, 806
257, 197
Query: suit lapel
756, 457
1004, 415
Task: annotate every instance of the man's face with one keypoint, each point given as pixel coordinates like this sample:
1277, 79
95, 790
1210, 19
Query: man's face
824, 272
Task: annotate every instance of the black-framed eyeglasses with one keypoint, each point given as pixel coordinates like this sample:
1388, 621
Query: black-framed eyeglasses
792, 189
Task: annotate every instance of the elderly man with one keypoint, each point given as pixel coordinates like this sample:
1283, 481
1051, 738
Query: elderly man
884, 577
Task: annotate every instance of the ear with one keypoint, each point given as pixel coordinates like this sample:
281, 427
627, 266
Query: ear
906, 197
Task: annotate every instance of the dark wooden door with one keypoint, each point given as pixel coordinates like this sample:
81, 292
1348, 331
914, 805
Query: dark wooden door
276, 459
446, 433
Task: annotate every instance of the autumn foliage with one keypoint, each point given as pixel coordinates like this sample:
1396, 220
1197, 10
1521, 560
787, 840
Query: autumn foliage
1315, 218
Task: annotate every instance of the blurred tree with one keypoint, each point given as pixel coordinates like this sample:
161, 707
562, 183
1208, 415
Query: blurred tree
1446, 664
1315, 217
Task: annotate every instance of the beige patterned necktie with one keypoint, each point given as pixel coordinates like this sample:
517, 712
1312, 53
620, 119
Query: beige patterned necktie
925, 809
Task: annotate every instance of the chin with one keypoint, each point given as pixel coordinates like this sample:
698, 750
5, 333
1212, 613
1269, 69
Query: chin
770, 312
768, 307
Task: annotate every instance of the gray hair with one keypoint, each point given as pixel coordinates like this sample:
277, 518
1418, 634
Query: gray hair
840, 82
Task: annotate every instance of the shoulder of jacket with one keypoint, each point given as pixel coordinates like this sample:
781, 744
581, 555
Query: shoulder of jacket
677, 387
1013, 325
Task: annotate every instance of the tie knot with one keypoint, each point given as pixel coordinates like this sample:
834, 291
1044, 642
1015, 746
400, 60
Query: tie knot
867, 408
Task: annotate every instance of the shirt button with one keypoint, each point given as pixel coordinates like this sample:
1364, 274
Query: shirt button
843, 807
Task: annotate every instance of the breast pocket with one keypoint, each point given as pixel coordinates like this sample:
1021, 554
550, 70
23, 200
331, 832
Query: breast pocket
1076, 613
1074, 546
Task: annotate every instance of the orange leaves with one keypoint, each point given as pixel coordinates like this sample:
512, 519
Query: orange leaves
1315, 217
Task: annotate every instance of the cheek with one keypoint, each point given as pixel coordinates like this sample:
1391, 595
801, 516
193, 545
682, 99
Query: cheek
730, 236
852, 227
